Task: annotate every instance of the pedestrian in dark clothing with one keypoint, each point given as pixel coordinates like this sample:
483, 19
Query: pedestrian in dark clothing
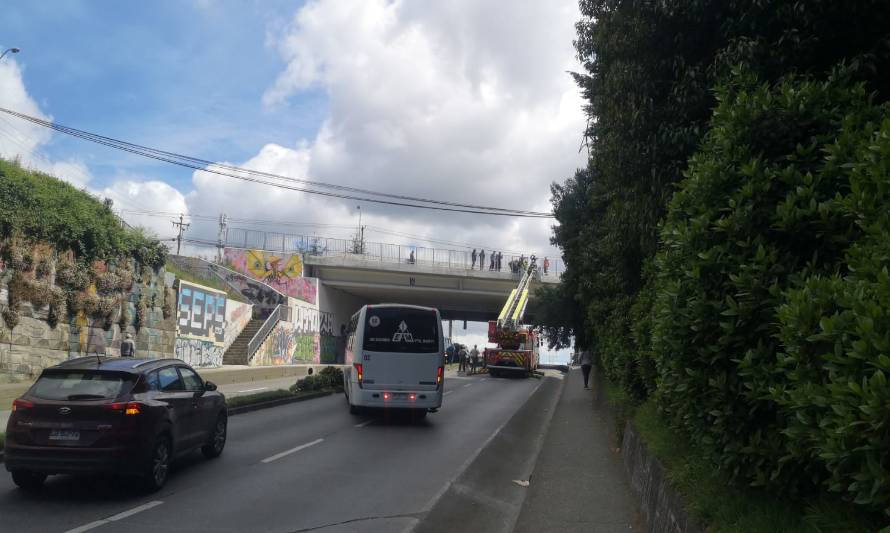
493, 258
500, 256
481, 259
585, 366
128, 347
474, 259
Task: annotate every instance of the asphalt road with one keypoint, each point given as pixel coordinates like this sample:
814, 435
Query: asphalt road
308, 466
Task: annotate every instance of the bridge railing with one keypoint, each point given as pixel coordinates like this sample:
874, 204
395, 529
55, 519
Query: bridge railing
377, 251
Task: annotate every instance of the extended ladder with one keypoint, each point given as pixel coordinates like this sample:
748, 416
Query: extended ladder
513, 311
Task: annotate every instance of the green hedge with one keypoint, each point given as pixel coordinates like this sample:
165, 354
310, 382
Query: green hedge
43, 208
770, 327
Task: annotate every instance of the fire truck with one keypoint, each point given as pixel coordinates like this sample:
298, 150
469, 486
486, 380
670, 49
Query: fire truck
517, 345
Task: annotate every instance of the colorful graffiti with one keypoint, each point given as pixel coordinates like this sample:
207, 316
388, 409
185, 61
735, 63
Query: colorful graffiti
199, 353
284, 272
238, 314
202, 313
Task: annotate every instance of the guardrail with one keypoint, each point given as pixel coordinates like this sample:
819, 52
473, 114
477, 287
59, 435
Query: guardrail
383, 252
261, 334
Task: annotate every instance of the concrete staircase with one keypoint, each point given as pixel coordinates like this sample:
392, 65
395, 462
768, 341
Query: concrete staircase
237, 352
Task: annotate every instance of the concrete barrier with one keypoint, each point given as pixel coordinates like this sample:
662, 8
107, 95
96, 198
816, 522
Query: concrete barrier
660, 505
221, 376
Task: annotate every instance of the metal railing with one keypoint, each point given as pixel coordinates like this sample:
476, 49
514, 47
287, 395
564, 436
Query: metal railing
260, 336
383, 252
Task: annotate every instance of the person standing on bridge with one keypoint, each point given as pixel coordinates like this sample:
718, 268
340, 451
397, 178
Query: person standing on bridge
546, 265
473, 256
585, 361
494, 257
481, 259
500, 257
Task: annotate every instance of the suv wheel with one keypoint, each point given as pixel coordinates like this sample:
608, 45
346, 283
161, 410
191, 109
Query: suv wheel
217, 442
158, 467
27, 480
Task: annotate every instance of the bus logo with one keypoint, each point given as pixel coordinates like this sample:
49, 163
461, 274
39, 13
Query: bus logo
403, 335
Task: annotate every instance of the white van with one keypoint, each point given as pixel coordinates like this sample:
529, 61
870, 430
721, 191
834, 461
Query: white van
397, 354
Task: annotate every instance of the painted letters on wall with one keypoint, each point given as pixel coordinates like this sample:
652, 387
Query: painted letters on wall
199, 353
202, 313
282, 272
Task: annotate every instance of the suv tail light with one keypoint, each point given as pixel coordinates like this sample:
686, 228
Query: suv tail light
128, 408
358, 372
21, 405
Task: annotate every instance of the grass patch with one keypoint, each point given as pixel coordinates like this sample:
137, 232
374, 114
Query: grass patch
720, 506
268, 396
212, 282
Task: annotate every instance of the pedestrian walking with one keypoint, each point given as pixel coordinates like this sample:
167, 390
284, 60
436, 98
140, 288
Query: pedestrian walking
585, 361
473, 256
481, 259
128, 347
474, 359
546, 265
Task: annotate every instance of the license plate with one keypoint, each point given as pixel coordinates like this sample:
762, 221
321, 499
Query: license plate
64, 435
400, 395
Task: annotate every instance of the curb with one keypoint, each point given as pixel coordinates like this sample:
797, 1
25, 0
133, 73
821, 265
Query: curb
275, 403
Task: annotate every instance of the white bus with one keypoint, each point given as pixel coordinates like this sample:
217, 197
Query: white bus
397, 355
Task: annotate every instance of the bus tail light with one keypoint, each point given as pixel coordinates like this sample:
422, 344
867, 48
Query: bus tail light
439, 373
412, 396
358, 372
386, 396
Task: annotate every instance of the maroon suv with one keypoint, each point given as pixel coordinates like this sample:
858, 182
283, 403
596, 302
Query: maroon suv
121, 415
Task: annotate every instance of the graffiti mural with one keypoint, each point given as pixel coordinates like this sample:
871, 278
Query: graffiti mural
199, 353
283, 272
202, 313
238, 314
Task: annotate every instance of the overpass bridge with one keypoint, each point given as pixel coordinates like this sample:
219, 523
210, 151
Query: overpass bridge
352, 273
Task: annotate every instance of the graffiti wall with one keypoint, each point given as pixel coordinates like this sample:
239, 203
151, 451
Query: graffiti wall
199, 353
201, 313
238, 314
282, 272
304, 338
201, 324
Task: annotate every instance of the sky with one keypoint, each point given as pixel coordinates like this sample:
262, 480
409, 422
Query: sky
456, 100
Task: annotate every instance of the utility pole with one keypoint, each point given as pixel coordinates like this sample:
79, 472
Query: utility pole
182, 226
222, 231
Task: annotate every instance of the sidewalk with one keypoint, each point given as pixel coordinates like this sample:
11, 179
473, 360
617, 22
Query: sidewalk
579, 483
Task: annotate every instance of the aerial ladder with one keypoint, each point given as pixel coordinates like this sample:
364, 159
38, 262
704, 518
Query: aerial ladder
517, 346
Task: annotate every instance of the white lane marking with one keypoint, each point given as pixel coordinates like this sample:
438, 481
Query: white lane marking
115, 518
363, 424
447, 392
292, 450
253, 390
131, 512
467, 385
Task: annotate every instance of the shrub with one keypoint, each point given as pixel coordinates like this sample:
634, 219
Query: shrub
334, 376
311, 383
765, 331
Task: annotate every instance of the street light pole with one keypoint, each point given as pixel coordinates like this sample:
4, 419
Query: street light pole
8, 50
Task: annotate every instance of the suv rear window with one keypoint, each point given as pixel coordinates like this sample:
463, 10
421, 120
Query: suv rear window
82, 385
403, 330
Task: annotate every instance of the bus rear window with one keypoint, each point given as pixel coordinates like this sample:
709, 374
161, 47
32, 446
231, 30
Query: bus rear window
402, 330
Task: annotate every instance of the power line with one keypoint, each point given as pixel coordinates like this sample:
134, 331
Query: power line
220, 169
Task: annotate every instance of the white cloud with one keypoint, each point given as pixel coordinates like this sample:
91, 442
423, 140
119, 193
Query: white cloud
463, 101
147, 195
